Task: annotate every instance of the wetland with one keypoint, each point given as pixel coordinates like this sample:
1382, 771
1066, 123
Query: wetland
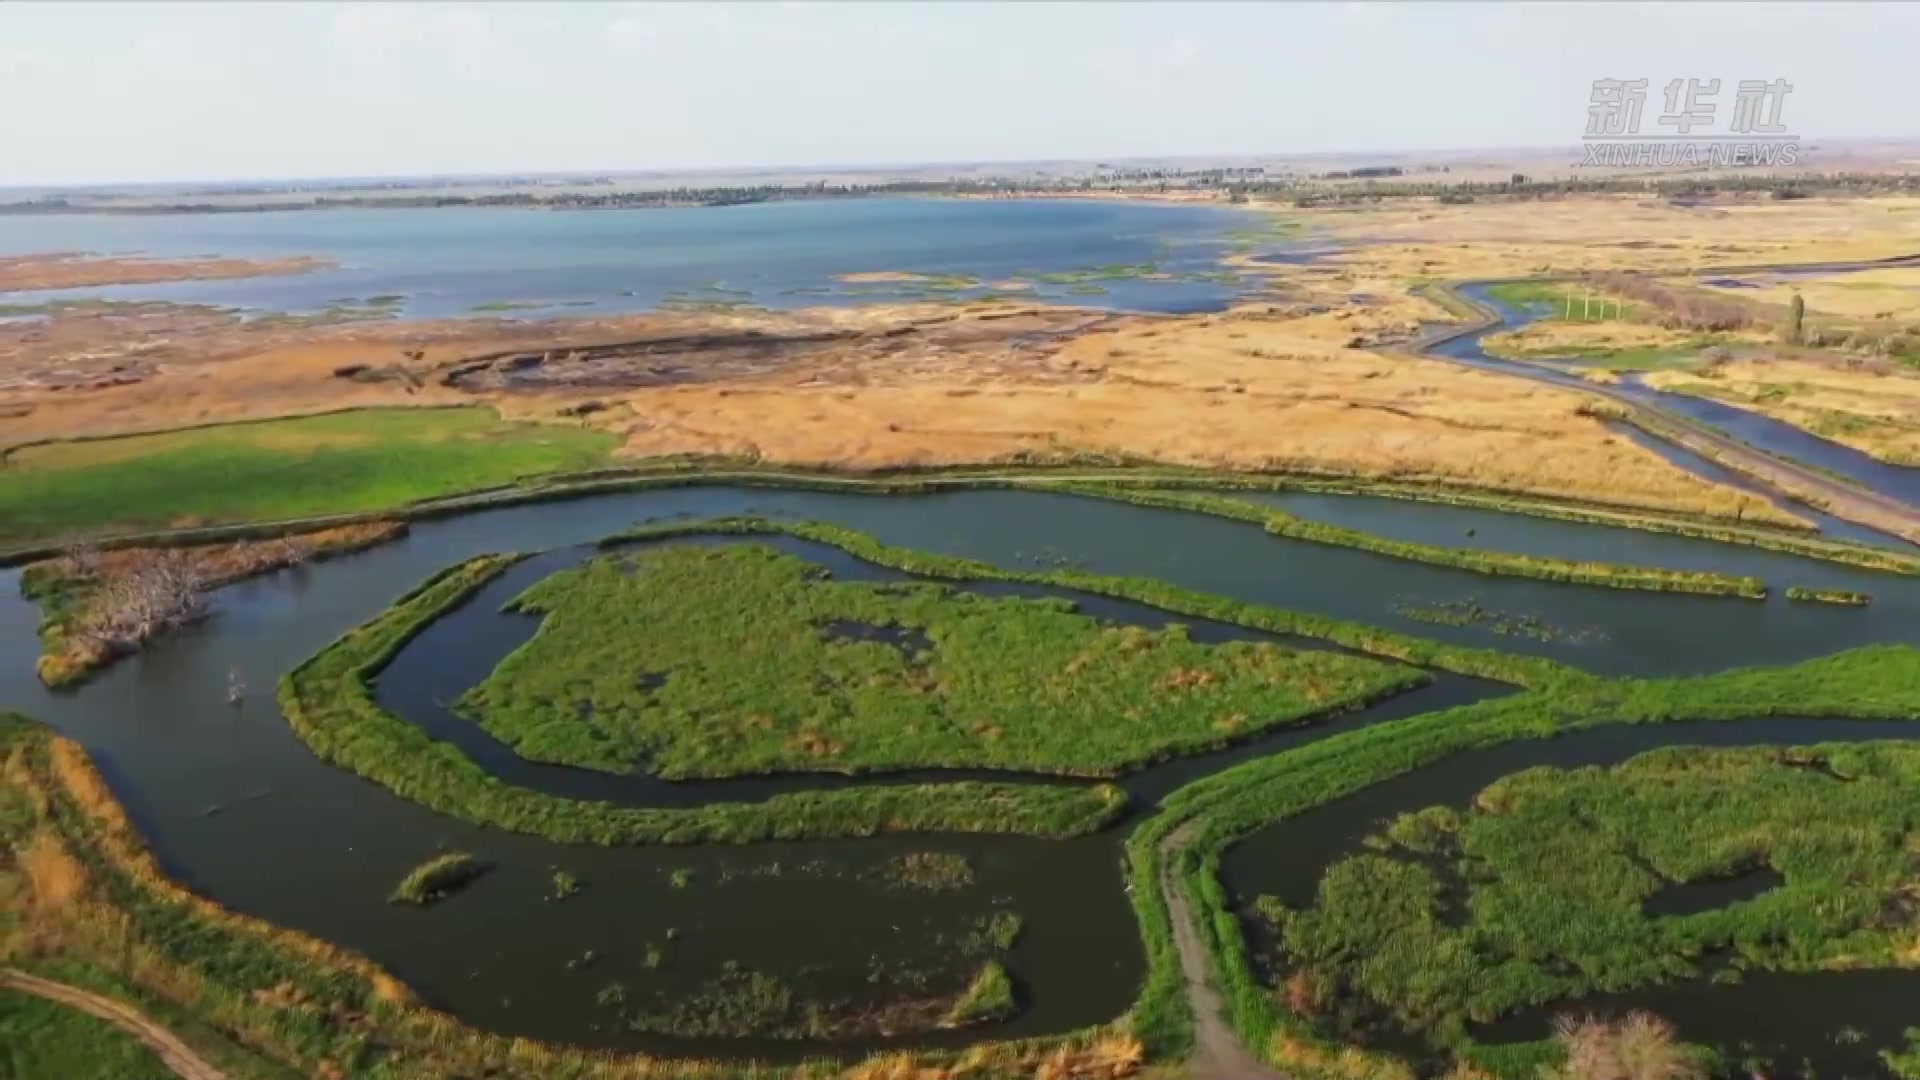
966, 891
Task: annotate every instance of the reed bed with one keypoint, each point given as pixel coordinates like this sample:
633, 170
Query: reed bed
756, 663
1562, 863
328, 700
438, 878
1185, 840
1482, 663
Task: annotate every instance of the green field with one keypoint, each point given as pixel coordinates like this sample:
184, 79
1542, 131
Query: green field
1551, 869
1549, 298
1639, 358
43, 1040
365, 459
740, 659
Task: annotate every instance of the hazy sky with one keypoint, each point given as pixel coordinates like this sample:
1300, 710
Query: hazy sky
98, 92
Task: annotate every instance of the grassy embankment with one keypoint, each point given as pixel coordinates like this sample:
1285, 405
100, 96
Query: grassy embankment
1874, 682
328, 700
358, 460
88, 905
1560, 865
65, 590
1281, 523
45, 1039
755, 662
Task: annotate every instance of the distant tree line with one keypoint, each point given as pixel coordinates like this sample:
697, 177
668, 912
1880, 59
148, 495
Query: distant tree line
1374, 184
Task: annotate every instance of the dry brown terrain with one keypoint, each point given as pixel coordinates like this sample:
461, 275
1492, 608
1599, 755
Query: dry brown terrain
1422, 239
1311, 380
1870, 405
72, 270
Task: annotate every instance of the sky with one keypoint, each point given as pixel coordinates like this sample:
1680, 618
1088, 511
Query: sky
107, 93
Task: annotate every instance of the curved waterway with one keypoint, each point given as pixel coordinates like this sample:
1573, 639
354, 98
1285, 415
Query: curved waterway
1789, 1019
1752, 428
237, 808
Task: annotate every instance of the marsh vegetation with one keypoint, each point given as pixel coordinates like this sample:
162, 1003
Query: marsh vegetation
1537, 892
702, 661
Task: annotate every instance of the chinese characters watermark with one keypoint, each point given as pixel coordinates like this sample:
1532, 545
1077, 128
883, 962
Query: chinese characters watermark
1754, 136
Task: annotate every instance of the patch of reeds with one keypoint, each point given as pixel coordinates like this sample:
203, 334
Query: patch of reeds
438, 878
746, 642
1829, 596
988, 997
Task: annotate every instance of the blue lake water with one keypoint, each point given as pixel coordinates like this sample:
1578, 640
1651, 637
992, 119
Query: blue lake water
452, 261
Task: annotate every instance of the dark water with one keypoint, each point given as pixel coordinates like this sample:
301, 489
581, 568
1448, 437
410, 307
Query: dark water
1693, 897
452, 261
1492, 530
1752, 428
1782, 1018
241, 811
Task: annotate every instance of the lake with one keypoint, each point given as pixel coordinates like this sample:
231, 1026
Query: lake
460, 261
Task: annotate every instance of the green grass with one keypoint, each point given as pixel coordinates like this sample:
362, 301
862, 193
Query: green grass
438, 878
1872, 682
988, 997
1634, 358
1557, 865
44, 1040
1550, 299
741, 659
1484, 663
328, 701
359, 460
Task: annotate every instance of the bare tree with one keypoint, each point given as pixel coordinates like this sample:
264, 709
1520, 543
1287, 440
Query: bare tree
141, 597
84, 560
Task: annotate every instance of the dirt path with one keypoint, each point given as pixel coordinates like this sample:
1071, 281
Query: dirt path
1217, 1051
172, 1052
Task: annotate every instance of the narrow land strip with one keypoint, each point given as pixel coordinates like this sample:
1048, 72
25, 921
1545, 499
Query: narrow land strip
1789, 478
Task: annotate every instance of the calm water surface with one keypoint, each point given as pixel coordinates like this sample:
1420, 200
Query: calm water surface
241, 811
450, 262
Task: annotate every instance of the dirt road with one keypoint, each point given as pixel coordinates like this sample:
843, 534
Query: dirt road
1217, 1051
167, 1046
1770, 471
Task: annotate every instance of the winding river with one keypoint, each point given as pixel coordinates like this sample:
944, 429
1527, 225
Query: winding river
238, 809
1897, 483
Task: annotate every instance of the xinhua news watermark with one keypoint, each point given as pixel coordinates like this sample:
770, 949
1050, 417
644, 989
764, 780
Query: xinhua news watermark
1755, 134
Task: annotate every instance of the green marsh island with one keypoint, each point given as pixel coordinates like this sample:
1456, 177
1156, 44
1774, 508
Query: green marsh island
715, 661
